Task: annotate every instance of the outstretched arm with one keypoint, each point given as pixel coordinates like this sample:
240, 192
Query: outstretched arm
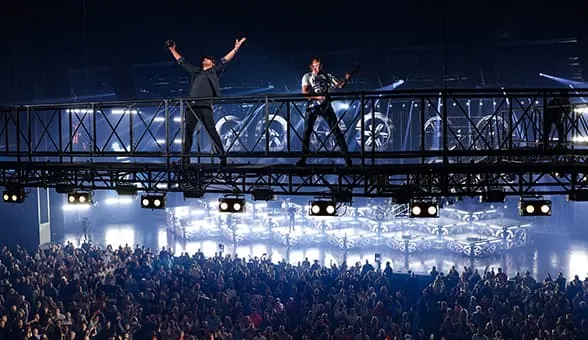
188, 66
229, 56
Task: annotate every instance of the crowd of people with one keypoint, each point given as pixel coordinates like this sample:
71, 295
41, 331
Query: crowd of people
72, 293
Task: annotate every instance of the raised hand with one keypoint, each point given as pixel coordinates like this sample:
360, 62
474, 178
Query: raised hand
170, 44
239, 42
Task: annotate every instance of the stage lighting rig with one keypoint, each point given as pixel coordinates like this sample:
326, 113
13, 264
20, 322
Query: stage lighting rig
423, 208
231, 204
126, 190
14, 195
153, 201
534, 207
578, 195
493, 196
79, 197
262, 194
323, 208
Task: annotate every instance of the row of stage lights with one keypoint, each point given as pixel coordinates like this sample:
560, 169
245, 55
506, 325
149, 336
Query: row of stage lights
417, 208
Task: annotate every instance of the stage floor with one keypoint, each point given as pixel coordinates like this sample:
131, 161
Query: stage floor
546, 252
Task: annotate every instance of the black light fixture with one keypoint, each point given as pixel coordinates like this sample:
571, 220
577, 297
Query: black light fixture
262, 194
79, 197
423, 209
323, 208
534, 207
231, 205
580, 195
14, 195
493, 196
153, 201
126, 190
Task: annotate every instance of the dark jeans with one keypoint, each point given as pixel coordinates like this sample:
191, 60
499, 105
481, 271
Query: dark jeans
204, 114
326, 111
549, 120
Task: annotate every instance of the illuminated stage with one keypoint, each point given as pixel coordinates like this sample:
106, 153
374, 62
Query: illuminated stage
475, 234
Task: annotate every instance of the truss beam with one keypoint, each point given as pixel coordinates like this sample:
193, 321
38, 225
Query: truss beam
440, 142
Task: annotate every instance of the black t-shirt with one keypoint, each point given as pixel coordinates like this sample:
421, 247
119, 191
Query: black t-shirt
204, 84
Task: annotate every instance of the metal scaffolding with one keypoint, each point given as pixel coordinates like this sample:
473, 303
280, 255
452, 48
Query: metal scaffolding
433, 143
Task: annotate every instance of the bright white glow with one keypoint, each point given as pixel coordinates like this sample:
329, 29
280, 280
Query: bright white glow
237, 206
14, 198
545, 208
118, 200
224, 206
71, 198
82, 199
79, 111
578, 261
261, 205
145, 202
181, 211
315, 209
580, 139
123, 111
530, 209
5, 197
119, 235
160, 141
159, 119
177, 119
432, 210
177, 141
162, 238
416, 210
157, 202
75, 207
330, 209
581, 109
116, 147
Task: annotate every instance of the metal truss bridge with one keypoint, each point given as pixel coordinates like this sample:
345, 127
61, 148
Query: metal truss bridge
433, 142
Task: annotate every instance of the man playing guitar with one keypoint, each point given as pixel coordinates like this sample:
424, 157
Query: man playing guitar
317, 85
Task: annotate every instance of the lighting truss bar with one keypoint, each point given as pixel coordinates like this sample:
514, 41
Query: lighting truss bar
366, 181
41, 145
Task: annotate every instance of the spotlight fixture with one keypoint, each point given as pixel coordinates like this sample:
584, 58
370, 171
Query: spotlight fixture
14, 195
231, 205
493, 196
126, 190
79, 197
535, 207
153, 201
262, 194
423, 209
323, 208
578, 195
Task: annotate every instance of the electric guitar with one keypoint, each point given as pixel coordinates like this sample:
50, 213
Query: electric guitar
354, 70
